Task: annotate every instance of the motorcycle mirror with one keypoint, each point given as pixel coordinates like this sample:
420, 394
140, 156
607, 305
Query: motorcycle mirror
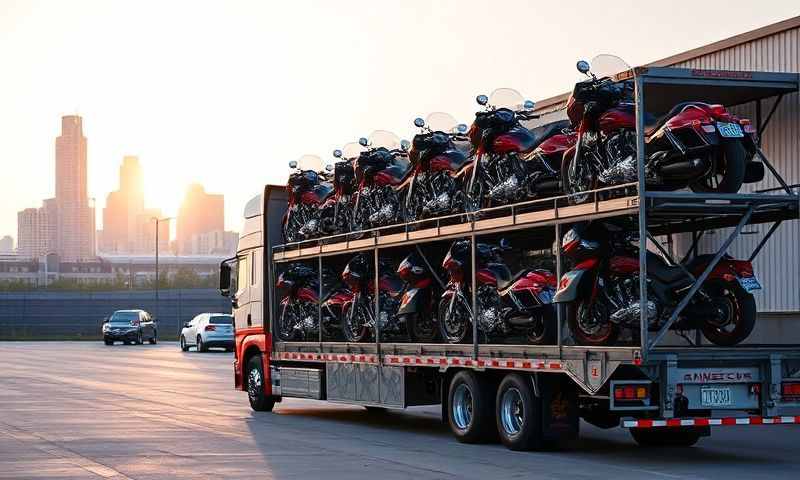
363, 141
419, 123
505, 244
462, 128
337, 153
583, 66
528, 105
405, 145
329, 168
482, 99
293, 164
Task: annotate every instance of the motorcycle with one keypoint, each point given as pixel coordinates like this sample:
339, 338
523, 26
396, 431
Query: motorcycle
694, 145
381, 172
299, 309
438, 156
417, 301
358, 319
506, 304
336, 213
307, 188
602, 294
505, 168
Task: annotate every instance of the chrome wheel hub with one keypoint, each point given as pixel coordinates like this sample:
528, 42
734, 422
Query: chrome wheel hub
512, 412
462, 407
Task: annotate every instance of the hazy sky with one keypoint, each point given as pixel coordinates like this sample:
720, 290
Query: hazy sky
225, 93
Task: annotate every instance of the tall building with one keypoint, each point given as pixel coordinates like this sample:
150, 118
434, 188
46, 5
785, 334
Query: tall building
128, 227
7, 244
217, 242
75, 223
34, 232
199, 213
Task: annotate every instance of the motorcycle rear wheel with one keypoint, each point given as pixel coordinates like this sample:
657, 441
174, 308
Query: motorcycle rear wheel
354, 323
605, 335
741, 307
286, 322
730, 166
543, 333
421, 327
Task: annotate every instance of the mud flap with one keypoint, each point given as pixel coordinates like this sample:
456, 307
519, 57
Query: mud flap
560, 417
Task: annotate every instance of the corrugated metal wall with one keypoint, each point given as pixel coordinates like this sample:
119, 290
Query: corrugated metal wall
778, 265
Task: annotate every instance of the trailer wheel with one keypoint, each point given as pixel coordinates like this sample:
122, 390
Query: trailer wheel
470, 405
666, 437
518, 414
259, 401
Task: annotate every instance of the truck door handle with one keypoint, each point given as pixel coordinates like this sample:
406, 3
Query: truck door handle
249, 320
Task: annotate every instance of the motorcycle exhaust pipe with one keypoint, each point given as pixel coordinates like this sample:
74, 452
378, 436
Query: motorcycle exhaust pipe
683, 168
549, 185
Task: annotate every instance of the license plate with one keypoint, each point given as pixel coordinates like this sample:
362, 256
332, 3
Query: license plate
749, 283
715, 397
730, 130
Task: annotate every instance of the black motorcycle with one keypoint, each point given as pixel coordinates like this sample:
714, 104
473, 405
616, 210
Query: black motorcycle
307, 188
336, 213
418, 302
299, 309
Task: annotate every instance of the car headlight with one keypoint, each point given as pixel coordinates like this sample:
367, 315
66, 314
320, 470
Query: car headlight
105, 327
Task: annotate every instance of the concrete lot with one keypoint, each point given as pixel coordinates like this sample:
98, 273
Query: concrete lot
84, 410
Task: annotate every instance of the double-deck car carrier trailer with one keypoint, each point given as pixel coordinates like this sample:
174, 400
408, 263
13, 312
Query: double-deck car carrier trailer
534, 395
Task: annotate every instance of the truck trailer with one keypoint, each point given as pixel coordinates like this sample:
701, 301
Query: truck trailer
667, 389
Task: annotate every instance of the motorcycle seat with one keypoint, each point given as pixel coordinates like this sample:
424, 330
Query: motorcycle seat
653, 123
672, 275
543, 132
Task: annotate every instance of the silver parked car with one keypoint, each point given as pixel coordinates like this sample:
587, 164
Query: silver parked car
208, 330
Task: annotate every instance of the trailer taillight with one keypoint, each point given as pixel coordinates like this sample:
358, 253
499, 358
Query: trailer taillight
790, 390
631, 392
631, 395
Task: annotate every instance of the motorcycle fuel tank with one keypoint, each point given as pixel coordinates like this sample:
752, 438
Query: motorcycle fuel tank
617, 118
518, 139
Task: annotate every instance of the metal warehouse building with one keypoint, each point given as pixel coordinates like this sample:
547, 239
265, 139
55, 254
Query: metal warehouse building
774, 48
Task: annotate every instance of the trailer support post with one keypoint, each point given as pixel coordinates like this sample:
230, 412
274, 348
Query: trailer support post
640, 166
474, 295
319, 301
559, 272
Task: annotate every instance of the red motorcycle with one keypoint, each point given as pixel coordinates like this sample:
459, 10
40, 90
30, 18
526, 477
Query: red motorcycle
359, 320
505, 168
695, 144
336, 213
308, 189
601, 292
507, 304
438, 155
298, 312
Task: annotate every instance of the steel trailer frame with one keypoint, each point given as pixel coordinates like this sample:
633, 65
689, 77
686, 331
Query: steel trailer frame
658, 213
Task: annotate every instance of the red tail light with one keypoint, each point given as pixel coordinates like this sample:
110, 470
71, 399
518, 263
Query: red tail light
719, 112
743, 268
790, 390
631, 392
210, 328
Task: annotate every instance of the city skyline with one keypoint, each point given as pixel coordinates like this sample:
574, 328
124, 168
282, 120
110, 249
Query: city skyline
206, 108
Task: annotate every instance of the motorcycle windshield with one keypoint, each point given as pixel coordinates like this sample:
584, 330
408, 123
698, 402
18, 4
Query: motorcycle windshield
506, 98
442, 122
385, 139
605, 65
352, 150
310, 162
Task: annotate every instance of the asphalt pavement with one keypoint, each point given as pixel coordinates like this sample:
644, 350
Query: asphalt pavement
83, 410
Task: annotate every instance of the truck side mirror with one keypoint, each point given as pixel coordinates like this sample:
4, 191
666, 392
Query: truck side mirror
225, 279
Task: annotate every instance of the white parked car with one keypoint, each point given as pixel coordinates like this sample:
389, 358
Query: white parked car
208, 330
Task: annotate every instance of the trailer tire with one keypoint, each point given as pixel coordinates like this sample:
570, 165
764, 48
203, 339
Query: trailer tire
518, 414
254, 377
666, 437
470, 408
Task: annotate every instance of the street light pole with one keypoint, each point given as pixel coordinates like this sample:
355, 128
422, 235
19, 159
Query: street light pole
158, 220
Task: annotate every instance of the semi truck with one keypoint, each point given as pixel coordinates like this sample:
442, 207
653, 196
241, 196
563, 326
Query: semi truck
667, 388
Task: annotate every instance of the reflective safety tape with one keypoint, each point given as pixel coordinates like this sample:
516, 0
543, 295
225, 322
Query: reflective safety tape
705, 422
425, 360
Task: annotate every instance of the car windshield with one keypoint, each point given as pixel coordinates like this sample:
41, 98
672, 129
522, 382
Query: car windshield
123, 317
605, 65
352, 150
310, 162
441, 122
506, 98
222, 319
385, 139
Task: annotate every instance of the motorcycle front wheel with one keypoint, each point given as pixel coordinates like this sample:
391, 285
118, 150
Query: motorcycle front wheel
355, 324
739, 314
729, 162
287, 322
576, 182
590, 324
421, 327
455, 325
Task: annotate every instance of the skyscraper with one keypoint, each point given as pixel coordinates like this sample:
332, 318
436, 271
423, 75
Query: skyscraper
75, 223
34, 232
200, 212
6, 244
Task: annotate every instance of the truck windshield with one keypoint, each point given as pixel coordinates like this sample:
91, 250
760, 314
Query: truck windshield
123, 317
222, 319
